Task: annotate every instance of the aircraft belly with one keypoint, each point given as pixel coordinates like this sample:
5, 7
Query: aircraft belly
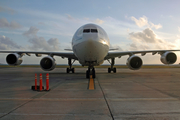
90, 52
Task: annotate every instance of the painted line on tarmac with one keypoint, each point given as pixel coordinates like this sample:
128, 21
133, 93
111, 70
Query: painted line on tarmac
91, 83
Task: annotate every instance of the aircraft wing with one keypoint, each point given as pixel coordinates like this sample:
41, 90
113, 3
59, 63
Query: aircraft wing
61, 54
123, 53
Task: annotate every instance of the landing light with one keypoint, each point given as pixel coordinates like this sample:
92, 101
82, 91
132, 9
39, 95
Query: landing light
103, 42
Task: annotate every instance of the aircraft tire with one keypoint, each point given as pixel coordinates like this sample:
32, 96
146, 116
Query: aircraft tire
87, 74
109, 70
114, 70
73, 70
67, 70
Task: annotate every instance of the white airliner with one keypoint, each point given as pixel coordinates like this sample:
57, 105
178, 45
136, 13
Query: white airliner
90, 46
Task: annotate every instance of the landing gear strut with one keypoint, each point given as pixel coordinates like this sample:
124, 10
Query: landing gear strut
112, 64
70, 66
91, 71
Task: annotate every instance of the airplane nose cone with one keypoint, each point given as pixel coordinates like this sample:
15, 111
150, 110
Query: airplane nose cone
90, 37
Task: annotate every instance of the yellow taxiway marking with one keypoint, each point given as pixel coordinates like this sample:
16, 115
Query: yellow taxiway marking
91, 83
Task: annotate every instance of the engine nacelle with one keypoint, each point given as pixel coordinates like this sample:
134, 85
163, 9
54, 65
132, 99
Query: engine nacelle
48, 63
134, 62
14, 59
168, 58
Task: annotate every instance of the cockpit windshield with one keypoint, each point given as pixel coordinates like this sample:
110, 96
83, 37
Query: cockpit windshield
94, 30
86, 30
90, 30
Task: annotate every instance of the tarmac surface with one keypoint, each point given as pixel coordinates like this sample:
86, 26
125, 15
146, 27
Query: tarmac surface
146, 94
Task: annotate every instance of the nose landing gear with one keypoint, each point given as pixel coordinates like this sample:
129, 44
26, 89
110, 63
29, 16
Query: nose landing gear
91, 71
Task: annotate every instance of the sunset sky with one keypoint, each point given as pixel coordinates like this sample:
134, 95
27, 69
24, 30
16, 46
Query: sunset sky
44, 25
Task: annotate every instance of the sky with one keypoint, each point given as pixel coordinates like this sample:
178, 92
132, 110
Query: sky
44, 25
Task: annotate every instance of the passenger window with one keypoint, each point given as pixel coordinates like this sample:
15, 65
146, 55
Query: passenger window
86, 30
94, 30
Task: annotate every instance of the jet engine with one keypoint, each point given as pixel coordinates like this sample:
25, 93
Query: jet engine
48, 63
168, 58
134, 62
14, 59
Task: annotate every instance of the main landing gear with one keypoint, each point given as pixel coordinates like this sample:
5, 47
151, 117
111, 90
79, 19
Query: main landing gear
112, 64
91, 71
68, 70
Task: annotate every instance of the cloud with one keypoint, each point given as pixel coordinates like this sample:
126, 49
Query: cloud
41, 23
36, 42
6, 9
98, 21
146, 35
40, 43
147, 39
155, 26
7, 44
54, 42
143, 21
31, 32
135, 46
69, 17
5, 24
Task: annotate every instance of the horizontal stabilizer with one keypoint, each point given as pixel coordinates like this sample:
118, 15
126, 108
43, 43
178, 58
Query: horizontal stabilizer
113, 49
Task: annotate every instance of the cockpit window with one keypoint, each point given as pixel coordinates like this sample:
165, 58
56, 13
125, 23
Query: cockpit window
86, 30
90, 30
94, 30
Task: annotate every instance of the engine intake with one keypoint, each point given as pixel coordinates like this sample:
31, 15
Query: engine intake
134, 62
14, 59
47, 63
168, 58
